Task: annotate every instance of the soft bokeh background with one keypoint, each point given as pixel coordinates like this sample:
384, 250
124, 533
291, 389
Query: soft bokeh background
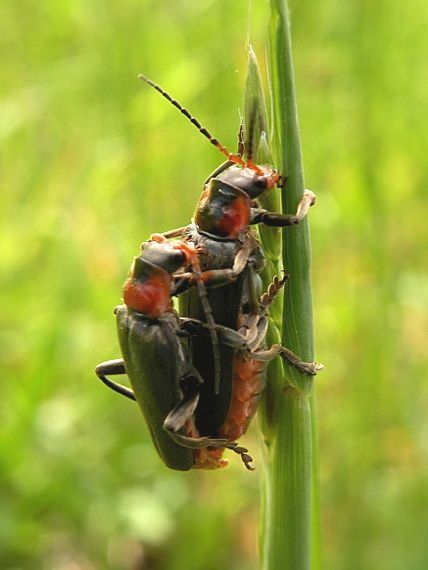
92, 162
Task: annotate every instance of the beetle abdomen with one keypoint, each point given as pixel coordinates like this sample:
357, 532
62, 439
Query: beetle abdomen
246, 390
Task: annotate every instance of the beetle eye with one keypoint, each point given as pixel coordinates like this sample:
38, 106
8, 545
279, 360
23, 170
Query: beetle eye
260, 182
179, 256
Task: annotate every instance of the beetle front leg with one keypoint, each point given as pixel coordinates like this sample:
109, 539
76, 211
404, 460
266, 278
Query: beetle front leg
114, 368
278, 220
178, 232
226, 335
220, 277
309, 368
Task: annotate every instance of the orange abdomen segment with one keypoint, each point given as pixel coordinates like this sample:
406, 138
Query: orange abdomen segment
247, 386
246, 389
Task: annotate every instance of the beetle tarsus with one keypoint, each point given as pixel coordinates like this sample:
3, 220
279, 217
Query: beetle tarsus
242, 452
279, 220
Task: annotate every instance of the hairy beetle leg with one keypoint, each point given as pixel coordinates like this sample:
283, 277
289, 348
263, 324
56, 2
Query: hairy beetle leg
309, 368
278, 220
114, 368
227, 336
237, 340
171, 233
220, 277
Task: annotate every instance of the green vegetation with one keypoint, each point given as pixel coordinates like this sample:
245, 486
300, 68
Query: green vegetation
93, 162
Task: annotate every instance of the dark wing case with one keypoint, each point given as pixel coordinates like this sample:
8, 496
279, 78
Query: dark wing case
155, 363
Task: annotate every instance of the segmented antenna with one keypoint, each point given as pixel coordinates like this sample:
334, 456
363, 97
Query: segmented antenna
230, 156
241, 143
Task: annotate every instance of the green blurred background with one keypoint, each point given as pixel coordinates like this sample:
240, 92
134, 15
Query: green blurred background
93, 161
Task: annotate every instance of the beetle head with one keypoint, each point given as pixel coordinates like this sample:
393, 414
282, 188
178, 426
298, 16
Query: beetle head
253, 182
164, 255
148, 287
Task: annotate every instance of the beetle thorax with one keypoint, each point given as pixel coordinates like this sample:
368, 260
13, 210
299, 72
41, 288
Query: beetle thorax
149, 295
223, 210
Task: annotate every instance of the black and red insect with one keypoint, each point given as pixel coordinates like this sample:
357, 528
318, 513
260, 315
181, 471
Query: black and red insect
220, 231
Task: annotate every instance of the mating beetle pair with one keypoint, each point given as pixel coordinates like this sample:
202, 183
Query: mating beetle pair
198, 400
165, 383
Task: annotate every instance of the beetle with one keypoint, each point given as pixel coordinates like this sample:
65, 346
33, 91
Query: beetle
164, 381
220, 230
250, 358
228, 204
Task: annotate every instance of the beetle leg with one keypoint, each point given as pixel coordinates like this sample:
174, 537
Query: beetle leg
182, 283
278, 220
203, 298
182, 412
256, 335
243, 452
177, 418
310, 368
226, 336
203, 442
198, 442
252, 283
220, 277
254, 327
217, 277
173, 233
114, 367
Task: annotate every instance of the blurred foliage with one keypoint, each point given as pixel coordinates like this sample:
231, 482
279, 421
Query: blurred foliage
92, 162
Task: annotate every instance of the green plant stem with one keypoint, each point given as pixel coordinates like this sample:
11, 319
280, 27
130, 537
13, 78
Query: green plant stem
289, 512
287, 537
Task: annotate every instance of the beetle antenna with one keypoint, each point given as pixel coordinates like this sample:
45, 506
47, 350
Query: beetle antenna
241, 143
230, 156
210, 319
